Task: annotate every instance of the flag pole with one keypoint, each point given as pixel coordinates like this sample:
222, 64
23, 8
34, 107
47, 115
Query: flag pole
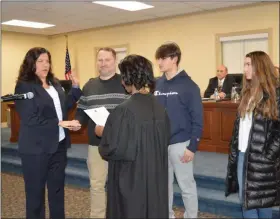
66, 37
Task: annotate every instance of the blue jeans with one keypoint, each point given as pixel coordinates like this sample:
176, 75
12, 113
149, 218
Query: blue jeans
253, 213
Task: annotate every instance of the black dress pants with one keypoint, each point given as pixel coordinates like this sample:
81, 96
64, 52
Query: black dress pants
39, 170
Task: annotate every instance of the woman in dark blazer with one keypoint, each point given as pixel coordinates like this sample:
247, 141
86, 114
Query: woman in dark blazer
44, 135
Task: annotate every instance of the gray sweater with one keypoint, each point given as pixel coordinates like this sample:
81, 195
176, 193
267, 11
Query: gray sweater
98, 93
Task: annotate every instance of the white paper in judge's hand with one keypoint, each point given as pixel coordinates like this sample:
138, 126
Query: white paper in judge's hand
98, 115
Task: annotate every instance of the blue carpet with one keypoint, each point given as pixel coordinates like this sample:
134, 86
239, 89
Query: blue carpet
209, 170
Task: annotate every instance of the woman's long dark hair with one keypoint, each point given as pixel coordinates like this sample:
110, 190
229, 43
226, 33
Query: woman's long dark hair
138, 71
28, 67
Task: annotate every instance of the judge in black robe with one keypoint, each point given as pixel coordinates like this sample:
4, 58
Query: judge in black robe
135, 143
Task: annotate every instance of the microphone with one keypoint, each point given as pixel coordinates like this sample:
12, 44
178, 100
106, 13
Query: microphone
12, 97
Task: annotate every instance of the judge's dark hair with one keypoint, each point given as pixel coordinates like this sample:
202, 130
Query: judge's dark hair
138, 71
28, 67
169, 49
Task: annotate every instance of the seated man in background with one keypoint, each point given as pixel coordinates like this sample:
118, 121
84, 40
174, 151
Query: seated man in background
222, 82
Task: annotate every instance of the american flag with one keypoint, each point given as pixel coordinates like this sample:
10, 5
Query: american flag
67, 65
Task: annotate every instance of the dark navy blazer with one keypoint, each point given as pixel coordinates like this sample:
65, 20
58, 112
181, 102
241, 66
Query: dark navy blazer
39, 130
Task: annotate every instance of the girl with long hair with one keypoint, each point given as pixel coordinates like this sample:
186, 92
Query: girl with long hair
254, 163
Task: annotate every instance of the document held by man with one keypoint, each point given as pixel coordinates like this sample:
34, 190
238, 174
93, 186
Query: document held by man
98, 115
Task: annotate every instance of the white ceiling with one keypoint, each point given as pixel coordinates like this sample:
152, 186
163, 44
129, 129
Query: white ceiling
77, 15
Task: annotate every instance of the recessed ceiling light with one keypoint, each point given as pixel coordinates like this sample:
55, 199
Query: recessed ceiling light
126, 5
27, 24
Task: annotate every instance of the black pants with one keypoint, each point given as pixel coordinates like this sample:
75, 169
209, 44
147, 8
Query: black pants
39, 170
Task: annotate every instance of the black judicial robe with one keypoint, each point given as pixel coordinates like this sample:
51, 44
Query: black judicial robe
135, 144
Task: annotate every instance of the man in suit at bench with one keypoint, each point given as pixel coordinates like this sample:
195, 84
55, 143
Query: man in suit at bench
223, 82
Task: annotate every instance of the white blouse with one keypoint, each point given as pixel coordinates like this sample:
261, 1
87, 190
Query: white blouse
54, 95
245, 126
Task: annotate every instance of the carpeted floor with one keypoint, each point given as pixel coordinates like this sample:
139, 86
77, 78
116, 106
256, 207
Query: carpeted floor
76, 200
